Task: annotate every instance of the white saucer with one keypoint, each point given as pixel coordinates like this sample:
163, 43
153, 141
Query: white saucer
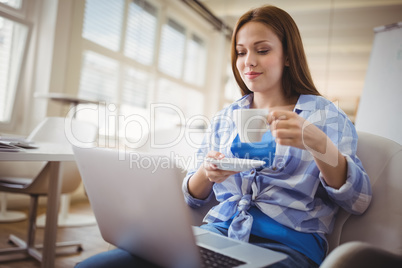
235, 164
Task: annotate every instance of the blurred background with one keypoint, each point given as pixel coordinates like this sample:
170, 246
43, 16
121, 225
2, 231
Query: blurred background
151, 64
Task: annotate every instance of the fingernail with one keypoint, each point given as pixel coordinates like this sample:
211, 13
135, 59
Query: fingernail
221, 156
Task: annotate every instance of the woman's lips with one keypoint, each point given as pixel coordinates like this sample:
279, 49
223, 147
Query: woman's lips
252, 75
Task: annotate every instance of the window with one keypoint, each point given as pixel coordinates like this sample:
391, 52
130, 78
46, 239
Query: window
172, 48
195, 61
141, 29
17, 4
14, 37
232, 91
189, 101
99, 77
118, 44
173, 58
103, 22
134, 54
136, 85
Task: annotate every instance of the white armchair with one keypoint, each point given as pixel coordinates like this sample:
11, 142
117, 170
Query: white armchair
373, 239
376, 236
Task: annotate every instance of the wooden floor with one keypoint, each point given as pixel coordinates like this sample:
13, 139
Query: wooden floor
89, 236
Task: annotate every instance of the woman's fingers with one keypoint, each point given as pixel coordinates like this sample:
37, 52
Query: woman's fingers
287, 128
281, 120
215, 155
219, 176
212, 172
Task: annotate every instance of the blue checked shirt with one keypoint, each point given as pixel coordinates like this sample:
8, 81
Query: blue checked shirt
292, 191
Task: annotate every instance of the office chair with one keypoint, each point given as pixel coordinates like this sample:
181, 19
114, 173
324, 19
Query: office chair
50, 130
7, 215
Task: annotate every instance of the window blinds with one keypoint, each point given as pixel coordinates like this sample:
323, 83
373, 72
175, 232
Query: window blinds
141, 32
172, 49
99, 77
103, 21
136, 86
13, 46
111, 77
119, 56
17, 4
195, 61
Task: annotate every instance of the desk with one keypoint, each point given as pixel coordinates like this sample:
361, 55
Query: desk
65, 218
54, 154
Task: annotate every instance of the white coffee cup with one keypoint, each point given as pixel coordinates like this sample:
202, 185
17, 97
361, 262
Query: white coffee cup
251, 124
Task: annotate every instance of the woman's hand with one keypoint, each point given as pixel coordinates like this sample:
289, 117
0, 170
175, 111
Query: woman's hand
200, 184
290, 129
212, 172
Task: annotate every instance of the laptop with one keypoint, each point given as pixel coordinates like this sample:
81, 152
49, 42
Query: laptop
139, 206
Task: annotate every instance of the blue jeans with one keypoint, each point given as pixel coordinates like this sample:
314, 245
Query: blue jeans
122, 259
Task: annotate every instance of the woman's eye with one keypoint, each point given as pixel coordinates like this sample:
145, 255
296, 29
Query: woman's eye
241, 53
265, 51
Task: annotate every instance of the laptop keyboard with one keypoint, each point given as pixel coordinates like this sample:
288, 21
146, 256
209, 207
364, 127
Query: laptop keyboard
214, 259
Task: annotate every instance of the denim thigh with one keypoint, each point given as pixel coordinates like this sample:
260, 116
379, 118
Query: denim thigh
115, 258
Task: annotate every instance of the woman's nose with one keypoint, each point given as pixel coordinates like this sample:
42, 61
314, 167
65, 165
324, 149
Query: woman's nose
250, 60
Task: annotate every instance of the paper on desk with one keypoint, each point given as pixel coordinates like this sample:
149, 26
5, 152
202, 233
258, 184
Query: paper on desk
7, 147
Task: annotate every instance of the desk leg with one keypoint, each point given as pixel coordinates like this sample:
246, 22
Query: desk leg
49, 243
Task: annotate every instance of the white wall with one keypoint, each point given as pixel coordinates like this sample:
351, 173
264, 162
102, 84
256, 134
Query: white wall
380, 106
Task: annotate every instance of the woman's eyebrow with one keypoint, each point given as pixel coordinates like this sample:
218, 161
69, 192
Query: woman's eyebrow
262, 41
255, 43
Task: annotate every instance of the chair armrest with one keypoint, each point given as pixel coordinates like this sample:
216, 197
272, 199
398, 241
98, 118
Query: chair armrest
361, 254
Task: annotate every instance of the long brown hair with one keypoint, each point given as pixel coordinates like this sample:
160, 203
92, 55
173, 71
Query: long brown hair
296, 78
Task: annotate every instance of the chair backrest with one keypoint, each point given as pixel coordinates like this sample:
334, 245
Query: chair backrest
381, 224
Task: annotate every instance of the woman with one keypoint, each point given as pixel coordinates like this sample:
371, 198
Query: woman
289, 204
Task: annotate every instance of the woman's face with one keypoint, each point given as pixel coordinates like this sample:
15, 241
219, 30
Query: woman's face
260, 59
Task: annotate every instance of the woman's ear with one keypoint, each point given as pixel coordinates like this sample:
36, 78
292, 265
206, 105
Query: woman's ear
287, 62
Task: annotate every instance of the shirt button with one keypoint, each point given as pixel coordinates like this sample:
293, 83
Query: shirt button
274, 168
252, 172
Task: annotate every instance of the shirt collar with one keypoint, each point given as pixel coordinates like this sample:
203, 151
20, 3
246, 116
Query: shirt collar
306, 103
245, 101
